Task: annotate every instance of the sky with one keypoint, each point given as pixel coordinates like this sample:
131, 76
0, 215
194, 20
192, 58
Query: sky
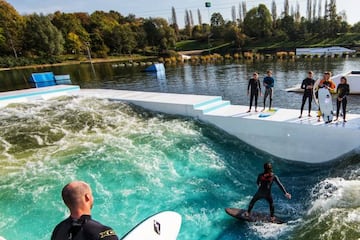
162, 8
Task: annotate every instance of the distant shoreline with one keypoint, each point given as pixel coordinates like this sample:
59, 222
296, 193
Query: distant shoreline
94, 60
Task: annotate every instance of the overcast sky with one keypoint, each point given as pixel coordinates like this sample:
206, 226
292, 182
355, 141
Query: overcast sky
162, 8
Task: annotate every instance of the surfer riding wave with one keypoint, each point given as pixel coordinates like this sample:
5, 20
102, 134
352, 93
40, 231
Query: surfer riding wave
265, 181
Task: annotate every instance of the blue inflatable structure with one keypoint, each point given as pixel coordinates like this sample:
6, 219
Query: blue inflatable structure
46, 79
157, 67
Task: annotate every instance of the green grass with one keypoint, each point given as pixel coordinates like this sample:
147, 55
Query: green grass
190, 45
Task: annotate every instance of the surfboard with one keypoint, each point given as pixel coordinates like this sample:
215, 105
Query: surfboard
254, 216
326, 106
323, 99
268, 113
161, 226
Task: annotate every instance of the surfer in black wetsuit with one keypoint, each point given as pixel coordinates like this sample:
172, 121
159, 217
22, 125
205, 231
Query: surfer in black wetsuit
343, 89
78, 198
264, 181
307, 84
254, 88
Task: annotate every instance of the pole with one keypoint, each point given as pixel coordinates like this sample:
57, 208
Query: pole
89, 56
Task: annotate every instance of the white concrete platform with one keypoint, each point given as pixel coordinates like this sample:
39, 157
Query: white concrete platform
32, 94
281, 133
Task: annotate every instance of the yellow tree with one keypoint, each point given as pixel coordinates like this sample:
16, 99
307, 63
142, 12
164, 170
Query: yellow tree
12, 25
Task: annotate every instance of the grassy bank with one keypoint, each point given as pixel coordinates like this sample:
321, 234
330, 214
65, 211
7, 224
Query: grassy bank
203, 51
351, 40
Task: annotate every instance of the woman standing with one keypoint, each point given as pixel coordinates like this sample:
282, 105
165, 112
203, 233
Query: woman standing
342, 90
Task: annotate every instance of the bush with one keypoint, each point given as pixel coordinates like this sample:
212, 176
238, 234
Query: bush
169, 54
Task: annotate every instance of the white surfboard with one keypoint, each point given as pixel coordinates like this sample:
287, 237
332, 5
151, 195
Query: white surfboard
326, 106
161, 226
323, 99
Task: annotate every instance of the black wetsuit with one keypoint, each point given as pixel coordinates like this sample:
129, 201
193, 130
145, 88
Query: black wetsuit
264, 181
254, 88
269, 81
82, 229
308, 93
342, 90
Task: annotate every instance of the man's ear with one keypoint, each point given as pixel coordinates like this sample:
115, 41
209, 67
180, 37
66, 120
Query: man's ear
87, 197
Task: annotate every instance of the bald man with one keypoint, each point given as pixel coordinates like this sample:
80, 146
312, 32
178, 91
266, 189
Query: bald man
78, 198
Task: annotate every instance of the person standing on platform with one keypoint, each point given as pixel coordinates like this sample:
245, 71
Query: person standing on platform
254, 89
307, 84
268, 83
328, 83
342, 90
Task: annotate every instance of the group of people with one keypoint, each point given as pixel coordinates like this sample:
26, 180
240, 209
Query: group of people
342, 90
78, 197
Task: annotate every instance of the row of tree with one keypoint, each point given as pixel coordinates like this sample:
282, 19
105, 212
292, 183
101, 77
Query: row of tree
75, 33
110, 33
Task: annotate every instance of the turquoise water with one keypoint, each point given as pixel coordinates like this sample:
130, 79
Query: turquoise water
139, 163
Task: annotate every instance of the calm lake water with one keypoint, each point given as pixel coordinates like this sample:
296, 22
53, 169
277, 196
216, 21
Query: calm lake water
226, 80
139, 162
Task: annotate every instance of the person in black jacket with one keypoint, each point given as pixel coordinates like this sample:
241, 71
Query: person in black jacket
264, 182
342, 90
307, 84
254, 89
79, 225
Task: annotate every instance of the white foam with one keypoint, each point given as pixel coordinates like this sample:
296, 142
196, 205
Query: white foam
269, 230
335, 193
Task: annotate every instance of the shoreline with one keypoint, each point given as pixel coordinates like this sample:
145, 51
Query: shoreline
78, 62
194, 57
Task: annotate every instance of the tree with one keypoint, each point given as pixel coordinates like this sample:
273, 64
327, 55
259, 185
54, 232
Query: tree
101, 27
309, 10
234, 34
12, 25
74, 33
314, 9
297, 15
287, 25
319, 9
334, 24
273, 13
199, 17
42, 37
174, 23
159, 34
233, 13
217, 20
123, 39
188, 23
258, 23
244, 8
217, 25
286, 8
241, 18
191, 19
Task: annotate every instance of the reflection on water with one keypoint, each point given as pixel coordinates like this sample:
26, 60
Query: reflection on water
229, 80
